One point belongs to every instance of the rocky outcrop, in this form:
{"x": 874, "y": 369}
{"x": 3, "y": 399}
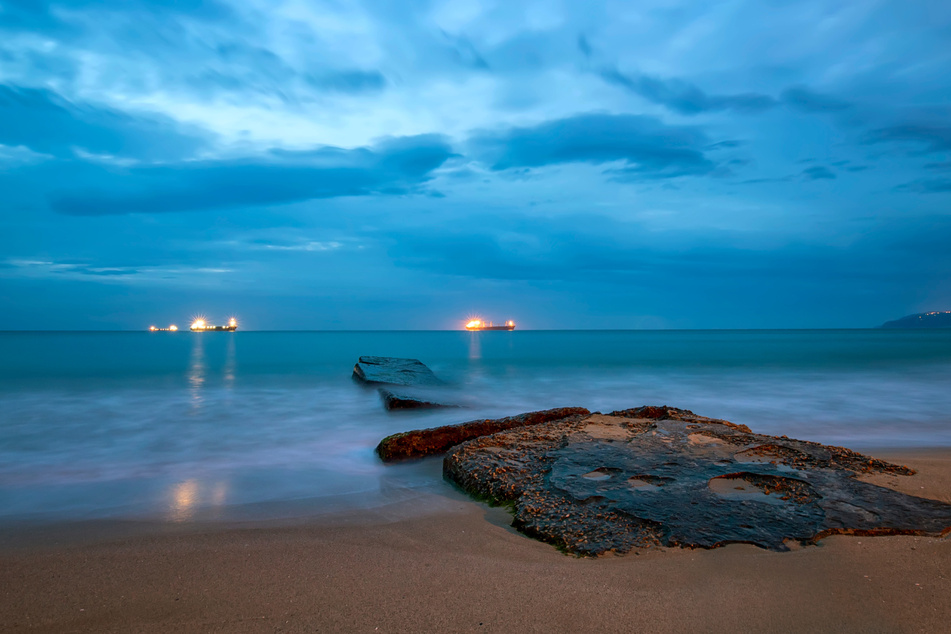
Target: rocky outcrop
{"x": 423, "y": 392}
{"x": 402, "y": 400}
{"x": 428, "y": 442}
{"x": 659, "y": 476}
{"x": 394, "y": 371}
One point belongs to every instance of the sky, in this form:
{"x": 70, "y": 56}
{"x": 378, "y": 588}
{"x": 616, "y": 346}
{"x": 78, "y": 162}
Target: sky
{"x": 409, "y": 164}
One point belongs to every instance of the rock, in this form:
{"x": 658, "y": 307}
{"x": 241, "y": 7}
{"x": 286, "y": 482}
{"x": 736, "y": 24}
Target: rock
{"x": 394, "y": 371}
{"x": 393, "y": 400}
{"x": 427, "y": 442}
{"x": 650, "y": 477}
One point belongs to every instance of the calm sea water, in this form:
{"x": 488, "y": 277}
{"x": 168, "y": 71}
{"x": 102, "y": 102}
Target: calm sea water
{"x": 186, "y": 426}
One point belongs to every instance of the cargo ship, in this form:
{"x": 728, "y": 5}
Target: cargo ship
{"x": 200, "y": 325}
{"x": 171, "y": 328}
{"x": 479, "y": 324}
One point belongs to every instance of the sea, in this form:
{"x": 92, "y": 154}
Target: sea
{"x": 216, "y": 426}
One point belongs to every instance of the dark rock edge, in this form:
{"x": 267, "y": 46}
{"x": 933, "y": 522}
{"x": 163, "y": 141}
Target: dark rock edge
{"x": 428, "y": 442}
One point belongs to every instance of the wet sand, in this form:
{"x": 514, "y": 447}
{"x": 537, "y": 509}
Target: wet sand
{"x": 440, "y": 562}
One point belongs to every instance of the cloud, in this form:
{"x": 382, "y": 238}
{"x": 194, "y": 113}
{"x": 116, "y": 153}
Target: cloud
{"x": 818, "y": 173}
{"x": 312, "y": 245}
{"x": 650, "y": 148}
{"x": 929, "y": 138}
{"x": 47, "y": 14}
{"x": 19, "y": 155}
{"x": 685, "y": 98}
{"x": 351, "y": 82}
{"x": 927, "y": 186}
{"x": 45, "y": 269}
{"x": 596, "y": 252}
{"x": 393, "y": 166}
{"x": 805, "y": 100}
{"x": 44, "y": 122}
{"x": 584, "y": 46}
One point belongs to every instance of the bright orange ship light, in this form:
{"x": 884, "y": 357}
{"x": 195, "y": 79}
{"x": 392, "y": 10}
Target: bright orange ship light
{"x": 476, "y": 324}
{"x": 198, "y": 324}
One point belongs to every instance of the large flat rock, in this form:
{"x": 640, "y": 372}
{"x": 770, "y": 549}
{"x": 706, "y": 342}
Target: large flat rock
{"x": 394, "y": 371}
{"x": 659, "y": 476}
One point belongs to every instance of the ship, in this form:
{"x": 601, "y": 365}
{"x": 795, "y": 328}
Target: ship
{"x": 200, "y": 325}
{"x": 479, "y": 324}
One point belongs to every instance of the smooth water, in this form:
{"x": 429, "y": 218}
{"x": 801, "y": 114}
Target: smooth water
{"x": 186, "y": 426}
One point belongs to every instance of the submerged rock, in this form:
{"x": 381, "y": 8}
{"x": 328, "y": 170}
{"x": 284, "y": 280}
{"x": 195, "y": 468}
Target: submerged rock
{"x": 402, "y": 400}
{"x": 427, "y": 442}
{"x": 394, "y": 371}
{"x": 659, "y": 476}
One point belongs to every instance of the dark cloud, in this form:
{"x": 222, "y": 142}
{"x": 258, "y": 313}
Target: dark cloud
{"x": 239, "y": 70}
{"x": 43, "y": 14}
{"x": 801, "y": 98}
{"x": 760, "y": 181}
{"x": 818, "y": 172}
{"x": 685, "y": 98}
{"x": 597, "y": 252}
{"x": 394, "y": 166}
{"x": 353, "y": 82}
{"x": 45, "y": 122}
{"x": 102, "y": 272}
{"x": 927, "y": 186}
{"x": 464, "y": 52}
{"x": 650, "y": 148}
{"x": 929, "y": 138}
{"x": 725, "y": 145}
{"x": 584, "y": 46}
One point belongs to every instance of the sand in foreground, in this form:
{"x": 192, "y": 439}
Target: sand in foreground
{"x": 463, "y": 569}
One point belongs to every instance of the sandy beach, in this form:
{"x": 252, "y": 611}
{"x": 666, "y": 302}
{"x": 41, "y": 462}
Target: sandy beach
{"x": 443, "y": 563}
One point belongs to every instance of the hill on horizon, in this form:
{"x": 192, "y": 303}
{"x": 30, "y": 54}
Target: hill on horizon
{"x": 934, "y": 319}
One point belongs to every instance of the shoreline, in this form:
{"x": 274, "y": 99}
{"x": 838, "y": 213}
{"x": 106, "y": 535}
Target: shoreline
{"x": 440, "y": 561}
{"x": 399, "y": 502}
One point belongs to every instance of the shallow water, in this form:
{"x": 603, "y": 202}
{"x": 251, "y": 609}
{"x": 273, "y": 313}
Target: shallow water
{"x": 185, "y": 426}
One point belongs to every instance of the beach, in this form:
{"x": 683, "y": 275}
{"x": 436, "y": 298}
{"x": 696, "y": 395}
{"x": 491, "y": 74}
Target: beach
{"x": 154, "y": 482}
{"x": 441, "y": 562}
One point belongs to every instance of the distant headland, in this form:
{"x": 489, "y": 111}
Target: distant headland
{"x": 934, "y": 319}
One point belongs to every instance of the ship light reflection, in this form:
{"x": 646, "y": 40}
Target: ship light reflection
{"x": 184, "y": 500}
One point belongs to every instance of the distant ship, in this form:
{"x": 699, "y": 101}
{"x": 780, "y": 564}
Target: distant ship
{"x": 478, "y": 324}
{"x": 199, "y": 325}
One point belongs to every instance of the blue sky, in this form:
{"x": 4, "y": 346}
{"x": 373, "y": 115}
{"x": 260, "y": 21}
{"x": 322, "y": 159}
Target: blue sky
{"x": 304, "y": 164}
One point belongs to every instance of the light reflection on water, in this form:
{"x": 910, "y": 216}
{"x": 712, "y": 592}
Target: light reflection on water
{"x": 185, "y": 498}
{"x": 203, "y": 422}
{"x": 196, "y": 369}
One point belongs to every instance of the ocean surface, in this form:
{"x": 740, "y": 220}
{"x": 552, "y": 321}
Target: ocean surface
{"x": 222, "y": 426}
